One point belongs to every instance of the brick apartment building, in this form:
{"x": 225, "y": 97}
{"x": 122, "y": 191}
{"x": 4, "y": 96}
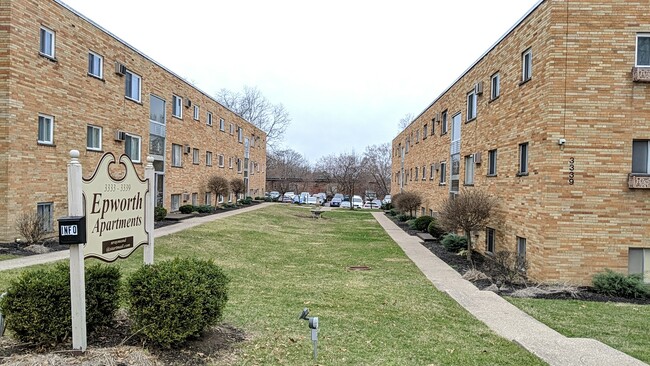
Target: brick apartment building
{"x": 554, "y": 121}
{"x": 66, "y": 83}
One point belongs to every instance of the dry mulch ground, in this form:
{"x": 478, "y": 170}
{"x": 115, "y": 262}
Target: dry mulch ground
{"x": 528, "y": 289}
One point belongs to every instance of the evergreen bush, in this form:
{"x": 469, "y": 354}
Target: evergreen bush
{"x": 617, "y": 284}
{"x": 454, "y": 243}
{"x": 160, "y": 213}
{"x": 422, "y": 223}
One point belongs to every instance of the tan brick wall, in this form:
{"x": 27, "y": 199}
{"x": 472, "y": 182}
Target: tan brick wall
{"x": 4, "y": 113}
{"x": 37, "y": 173}
{"x": 581, "y": 90}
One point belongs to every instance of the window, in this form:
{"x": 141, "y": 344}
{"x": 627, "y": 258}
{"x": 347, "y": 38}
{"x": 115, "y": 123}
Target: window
{"x": 220, "y": 198}
{"x": 492, "y": 162}
{"x": 239, "y": 165}
{"x": 443, "y": 172}
{"x": 411, "y": 174}
{"x": 431, "y": 170}
{"x": 46, "y": 47}
{"x": 523, "y": 159}
{"x": 93, "y": 138}
{"x": 469, "y": 170}
{"x": 176, "y": 202}
{"x": 208, "y": 158}
{"x": 195, "y": 199}
{"x": 425, "y": 131}
{"x": 209, "y": 122}
{"x": 471, "y": 105}
{"x": 521, "y": 254}
{"x": 208, "y": 198}
{"x": 230, "y": 162}
{"x": 232, "y": 129}
{"x": 489, "y": 240}
{"x": 433, "y": 127}
{"x": 526, "y": 65}
{"x": 443, "y": 118}
{"x": 416, "y": 173}
{"x": 177, "y": 154}
{"x": 95, "y": 65}
{"x": 639, "y": 263}
{"x": 407, "y": 145}
{"x": 221, "y": 161}
{"x": 132, "y": 147}
{"x": 196, "y": 112}
{"x": 495, "y": 89}
{"x": 195, "y": 156}
{"x": 222, "y": 124}
{"x": 640, "y": 161}
{"x": 643, "y": 49}
{"x": 45, "y": 211}
{"x": 240, "y": 134}
{"x": 177, "y": 104}
{"x": 157, "y": 110}
{"x": 424, "y": 172}
{"x": 45, "y": 129}
{"x": 132, "y": 87}
{"x": 417, "y": 136}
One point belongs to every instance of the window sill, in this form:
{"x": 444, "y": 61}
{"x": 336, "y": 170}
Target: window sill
{"x": 520, "y": 174}
{"x": 97, "y": 77}
{"x": 196, "y": 163}
{"x": 442, "y": 184}
{"x": 443, "y": 133}
{"x": 471, "y": 120}
{"x": 51, "y": 58}
{"x": 177, "y": 166}
{"x": 177, "y": 117}
{"x": 94, "y": 150}
{"x": 209, "y": 124}
{"x": 43, "y": 143}
{"x": 525, "y": 81}
{"x": 491, "y": 175}
{"x": 468, "y": 185}
{"x": 133, "y": 100}
{"x": 493, "y": 99}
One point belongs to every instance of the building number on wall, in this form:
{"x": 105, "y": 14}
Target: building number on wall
{"x": 571, "y": 170}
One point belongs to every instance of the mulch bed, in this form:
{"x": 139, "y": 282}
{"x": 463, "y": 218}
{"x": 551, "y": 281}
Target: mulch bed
{"x": 462, "y": 265}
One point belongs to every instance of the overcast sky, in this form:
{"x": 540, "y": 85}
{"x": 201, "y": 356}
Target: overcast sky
{"x": 347, "y": 71}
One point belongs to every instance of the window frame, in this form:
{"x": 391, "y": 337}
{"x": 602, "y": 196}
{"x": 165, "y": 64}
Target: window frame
{"x": 641, "y": 263}
{"x": 636, "y": 143}
{"x": 636, "y": 53}
{"x": 130, "y": 75}
{"x": 527, "y": 65}
{"x": 240, "y": 134}
{"x": 432, "y": 171}
{"x": 88, "y": 128}
{"x": 444, "y": 126}
{"x": 222, "y": 160}
{"x": 492, "y": 163}
{"x": 91, "y": 56}
{"x": 425, "y": 131}
{"x": 443, "y": 173}
{"x": 48, "y": 219}
{"x": 178, "y": 203}
{"x": 208, "y": 158}
{"x": 523, "y": 161}
{"x": 196, "y": 159}
{"x": 469, "y": 170}
{"x": 232, "y": 129}
{"x": 177, "y": 106}
{"x": 490, "y": 239}
{"x": 230, "y": 162}
{"x": 208, "y": 198}
{"x": 209, "y": 119}
{"x": 472, "y": 106}
{"x": 139, "y": 139}
{"x": 43, "y": 45}
{"x": 521, "y": 263}
{"x": 197, "y": 113}
{"x": 50, "y": 137}
{"x": 222, "y": 125}
{"x": 495, "y": 90}
{"x": 179, "y": 163}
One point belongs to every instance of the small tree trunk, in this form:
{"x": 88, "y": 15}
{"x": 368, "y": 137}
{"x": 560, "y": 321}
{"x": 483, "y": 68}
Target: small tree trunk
{"x": 468, "y": 236}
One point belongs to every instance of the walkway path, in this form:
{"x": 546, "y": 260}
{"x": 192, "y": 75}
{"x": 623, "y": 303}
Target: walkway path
{"x": 165, "y": 230}
{"x": 502, "y": 317}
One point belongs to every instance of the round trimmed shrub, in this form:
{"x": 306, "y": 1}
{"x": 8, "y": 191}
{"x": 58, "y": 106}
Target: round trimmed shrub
{"x": 37, "y": 304}
{"x": 617, "y": 284}
{"x": 422, "y": 222}
{"x": 173, "y": 301}
{"x": 159, "y": 213}
{"x": 187, "y": 209}
{"x": 435, "y": 230}
{"x": 454, "y": 243}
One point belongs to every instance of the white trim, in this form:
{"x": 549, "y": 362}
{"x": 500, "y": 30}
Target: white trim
{"x": 134, "y": 137}
{"x": 101, "y": 65}
{"x": 100, "y": 137}
{"x": 132, "y": 76}
{"x": 53, "y": 46}
{"x": 496, "y": 76}
{"x": 527, "y": 65}
{"x": 636, "y": 49}
{"x": 50, "y": 136}
{"x": 177, "y": 102}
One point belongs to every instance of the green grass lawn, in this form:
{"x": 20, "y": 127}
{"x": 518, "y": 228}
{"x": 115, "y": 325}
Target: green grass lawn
{"x": 621, "y": 326}
{"x": 4, "y": 257}
{"x": 281, "y": 260}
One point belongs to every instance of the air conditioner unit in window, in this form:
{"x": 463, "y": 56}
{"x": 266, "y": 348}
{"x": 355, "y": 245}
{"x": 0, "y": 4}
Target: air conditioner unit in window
{"x": 478, "y": 88}
{"x": 477, "y": 158}
{"x": 188, "y": 103}
{"x": 120, "y": 135}
{"x": 437, "y": 118}
{"x": 120, "y": 69}
{"x": 188, "y": 149}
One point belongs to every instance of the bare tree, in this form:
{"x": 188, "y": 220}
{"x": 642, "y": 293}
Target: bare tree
{"x": 219, "y": 185}
{"x": 252, "y": 106}
{"x": 237, "y": 186}
{"x": 407, "y": 201}
{"x": 405, "y": 121}
{"x": 468, "y": 211}
{"x": 286, "y": 168}
{"x": 344, "y": 169}
{"x": 377, "y": 164}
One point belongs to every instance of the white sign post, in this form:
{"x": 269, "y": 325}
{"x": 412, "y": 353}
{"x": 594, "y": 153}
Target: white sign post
{"x": 119, "y": 216}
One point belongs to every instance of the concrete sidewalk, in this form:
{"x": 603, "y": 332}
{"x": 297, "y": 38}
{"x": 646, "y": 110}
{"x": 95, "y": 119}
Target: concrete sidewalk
{"x": 502, "y": 317}
{"x": 165, "y": 230}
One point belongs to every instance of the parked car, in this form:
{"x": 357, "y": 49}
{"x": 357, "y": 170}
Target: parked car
{"x": 313, "y": 200}
{"x": 386, "y": 200}
{"x": 357, "y": 202}
{"x": 303, "y": 197}
{"x": 339, "y": 196}
{"x": 372, "y": 204}
{"x": 274, "y": 195}
{"x": 345, "y": 204}
{"x": 335, "y": 202}
{"x": 286, "y": 198}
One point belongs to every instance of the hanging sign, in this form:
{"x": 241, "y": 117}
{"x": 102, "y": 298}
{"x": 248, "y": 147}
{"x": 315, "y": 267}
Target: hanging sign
{"x": 115, "y": 210}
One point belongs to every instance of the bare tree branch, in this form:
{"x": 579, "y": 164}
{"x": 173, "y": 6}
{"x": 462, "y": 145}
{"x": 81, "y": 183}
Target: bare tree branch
{"x": 405, "y": 121}
{"x": 377, "y": 164}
